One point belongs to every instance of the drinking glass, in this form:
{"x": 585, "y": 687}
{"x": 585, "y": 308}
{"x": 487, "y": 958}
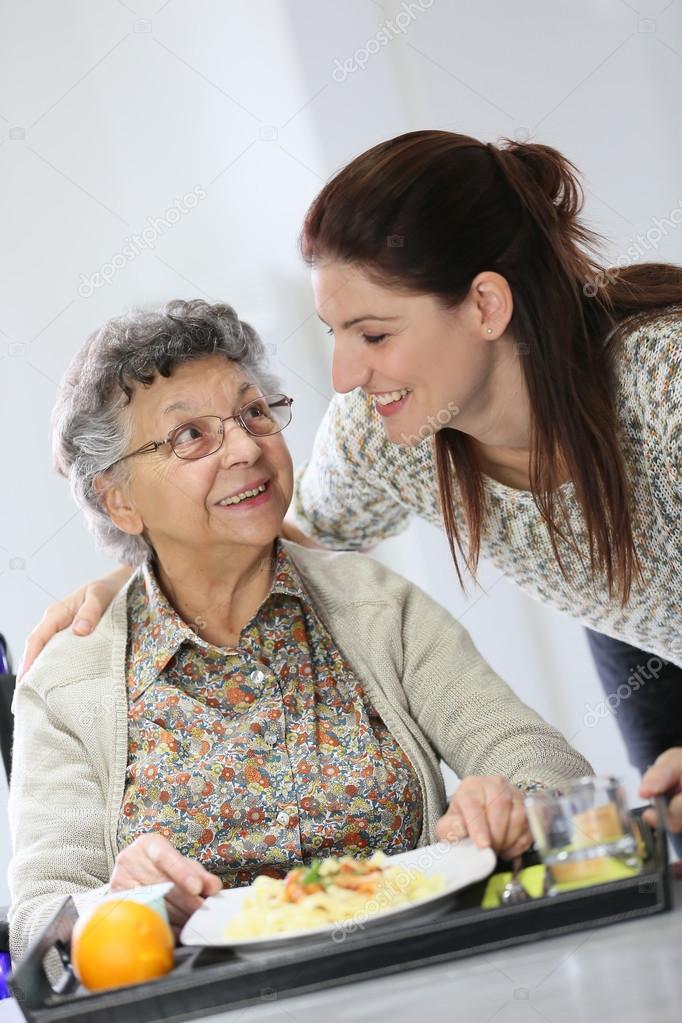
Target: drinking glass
{"x": 584, "y": 833}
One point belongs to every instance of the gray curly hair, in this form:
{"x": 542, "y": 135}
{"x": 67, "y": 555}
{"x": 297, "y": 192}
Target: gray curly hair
{"x": 91, "y": 428}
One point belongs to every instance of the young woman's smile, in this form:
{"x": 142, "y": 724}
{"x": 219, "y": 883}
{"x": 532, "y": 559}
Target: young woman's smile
{"x": 389, "y": 403}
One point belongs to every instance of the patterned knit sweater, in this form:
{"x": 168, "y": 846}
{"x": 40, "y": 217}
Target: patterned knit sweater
{"x": 359, "y": 488}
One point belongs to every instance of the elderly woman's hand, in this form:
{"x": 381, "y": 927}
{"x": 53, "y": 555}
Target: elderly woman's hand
{"x": 151, "y": 859}
{"x": 490, "y": 811}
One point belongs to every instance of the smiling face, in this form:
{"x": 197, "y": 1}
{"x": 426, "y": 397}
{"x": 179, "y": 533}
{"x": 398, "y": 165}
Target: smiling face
{"x": 180, "y": 504}
{"x": 427, "y": 366}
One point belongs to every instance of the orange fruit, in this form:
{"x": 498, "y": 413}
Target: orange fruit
{"x": 121, "y": 942}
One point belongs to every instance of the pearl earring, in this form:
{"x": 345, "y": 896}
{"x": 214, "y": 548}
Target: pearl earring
{"x": 489, "y": 330}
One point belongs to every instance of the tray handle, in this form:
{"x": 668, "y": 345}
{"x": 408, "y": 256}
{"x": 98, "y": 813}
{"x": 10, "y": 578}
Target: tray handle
{"x": 29, "y": 981}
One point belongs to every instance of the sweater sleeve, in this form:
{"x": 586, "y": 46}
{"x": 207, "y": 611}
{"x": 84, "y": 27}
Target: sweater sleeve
{"x": 473, "y": 719}
{"x": 341, "y": 497}
{"x": 649, "y": 399}
{"x": 57, "y": 816}
{"x": 667, "y": 372}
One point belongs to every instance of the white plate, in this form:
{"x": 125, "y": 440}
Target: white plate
{"x": 461, "y": 865}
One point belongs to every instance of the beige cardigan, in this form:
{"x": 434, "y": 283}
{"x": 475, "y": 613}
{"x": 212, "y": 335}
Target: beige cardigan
{"x": 418, "y": 665}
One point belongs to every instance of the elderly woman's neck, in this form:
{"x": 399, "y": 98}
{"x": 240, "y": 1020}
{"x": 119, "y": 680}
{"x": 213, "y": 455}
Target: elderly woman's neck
{"x": 217, "y": 595}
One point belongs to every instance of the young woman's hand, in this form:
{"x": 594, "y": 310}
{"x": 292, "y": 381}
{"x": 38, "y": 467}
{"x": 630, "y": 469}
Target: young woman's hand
{"x": 82, "y": 609}
{"x": 490, "y": 810}
{"x": 664, "y": 777}
{"x": 151, "y": 859}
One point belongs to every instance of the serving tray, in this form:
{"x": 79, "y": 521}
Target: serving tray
{"x": 208, "y": 980}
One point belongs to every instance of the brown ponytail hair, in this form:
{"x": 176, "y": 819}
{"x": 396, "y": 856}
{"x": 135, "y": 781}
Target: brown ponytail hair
{"x": 458, "y": 207}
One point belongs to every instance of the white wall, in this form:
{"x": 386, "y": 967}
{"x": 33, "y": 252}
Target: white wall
{"x": 110, "y": 111}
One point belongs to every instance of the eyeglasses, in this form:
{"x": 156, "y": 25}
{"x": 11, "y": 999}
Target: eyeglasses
{"x": 204, "y": 435}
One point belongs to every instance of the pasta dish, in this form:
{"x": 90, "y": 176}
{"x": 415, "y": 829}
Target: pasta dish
{"x": 329, "y": 891}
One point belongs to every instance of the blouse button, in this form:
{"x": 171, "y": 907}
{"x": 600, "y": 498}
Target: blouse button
{"x": 257, "y": 676}
{"x": 271, "y": 738}
{"x": 283, "y": 818}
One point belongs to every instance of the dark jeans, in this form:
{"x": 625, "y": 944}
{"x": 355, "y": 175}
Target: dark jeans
{"x": 644, "y": 693}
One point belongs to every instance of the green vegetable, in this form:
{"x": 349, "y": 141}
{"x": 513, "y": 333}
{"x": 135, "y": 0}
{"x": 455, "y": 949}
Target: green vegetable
{"x": 312, "y": 874}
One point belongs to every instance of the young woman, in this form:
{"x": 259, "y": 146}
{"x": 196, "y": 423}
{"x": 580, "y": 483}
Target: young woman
{"x": 494, "y": 378}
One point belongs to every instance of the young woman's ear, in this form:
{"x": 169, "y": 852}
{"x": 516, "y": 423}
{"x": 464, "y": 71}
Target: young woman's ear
{"x": 494, "y": 303}
{"x": 116, "y": 502}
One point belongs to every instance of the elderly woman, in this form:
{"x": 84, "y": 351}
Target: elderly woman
{"x": 245, "y": 704}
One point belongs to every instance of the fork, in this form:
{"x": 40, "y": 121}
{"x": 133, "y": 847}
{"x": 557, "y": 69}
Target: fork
{"x": 514, "y": 892}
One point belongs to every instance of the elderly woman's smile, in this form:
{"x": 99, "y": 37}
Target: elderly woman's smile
{"x": 256, "y": 496}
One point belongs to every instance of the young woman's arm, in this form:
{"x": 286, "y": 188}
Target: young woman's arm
{"x": 290, "y": 531}
{"x": 82, "y": 610}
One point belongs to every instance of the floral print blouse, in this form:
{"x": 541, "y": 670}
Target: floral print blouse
{"x": 256, "y": 758}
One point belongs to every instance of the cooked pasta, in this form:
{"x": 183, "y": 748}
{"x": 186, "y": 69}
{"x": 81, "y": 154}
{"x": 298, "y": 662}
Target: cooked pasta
{"x": 330, "y": 891}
